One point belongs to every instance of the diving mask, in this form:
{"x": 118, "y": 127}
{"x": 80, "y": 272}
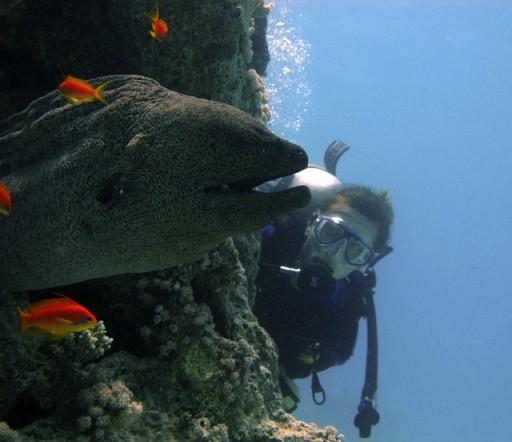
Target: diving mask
{"x": 340, "y": 242}
{"x": 337, "y": 239}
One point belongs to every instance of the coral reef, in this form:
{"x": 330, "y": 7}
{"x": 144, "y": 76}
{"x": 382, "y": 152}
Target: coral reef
{"x": 34, "y": 372}
{"x": 257, "y": 90}
{"x": 189, "y": 361}
{"x": 207, "y": 53}
{"x": 178, "y": 354}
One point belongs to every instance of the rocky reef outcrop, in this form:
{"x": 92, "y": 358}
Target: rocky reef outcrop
{"x": 178, "y": 354}
{"x": 209, "y": 52}
{"x": 188, "y": 362}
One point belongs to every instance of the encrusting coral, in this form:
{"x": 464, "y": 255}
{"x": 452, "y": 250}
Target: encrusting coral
{"x": 204, "y": 367}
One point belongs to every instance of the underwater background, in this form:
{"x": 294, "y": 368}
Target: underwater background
{"x": 421, "y": 91}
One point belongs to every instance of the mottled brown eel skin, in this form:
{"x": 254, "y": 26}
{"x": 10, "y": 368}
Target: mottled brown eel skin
{"x": 152, "y": 180}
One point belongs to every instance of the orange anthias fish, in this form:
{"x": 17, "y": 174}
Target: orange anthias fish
{"x": 56, "y": 318}
{"x": 80, "y": 91}
{"x": 5, "y": 200}
{"x": 159, "y": 28}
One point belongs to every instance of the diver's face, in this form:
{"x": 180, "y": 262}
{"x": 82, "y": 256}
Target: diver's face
{"x": 344, "y": 254}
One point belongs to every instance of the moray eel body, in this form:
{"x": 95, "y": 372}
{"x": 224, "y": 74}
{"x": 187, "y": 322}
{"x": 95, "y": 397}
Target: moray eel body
{"x": 152, "y": 180}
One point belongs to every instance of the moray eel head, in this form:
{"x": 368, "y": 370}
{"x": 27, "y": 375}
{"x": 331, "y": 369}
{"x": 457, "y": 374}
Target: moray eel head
{"x": 153, "y": 180}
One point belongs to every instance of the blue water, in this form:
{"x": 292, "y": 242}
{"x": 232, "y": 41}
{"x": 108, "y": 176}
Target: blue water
{"x": 422, "y": 92}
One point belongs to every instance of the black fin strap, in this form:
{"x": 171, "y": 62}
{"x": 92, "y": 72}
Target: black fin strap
{"x": 316, "y": 389}
{"x": 387, "y": 250}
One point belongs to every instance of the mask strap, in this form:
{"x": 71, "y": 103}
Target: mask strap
{"x": 379, "y": 256}
{"x": 309, "y": 224}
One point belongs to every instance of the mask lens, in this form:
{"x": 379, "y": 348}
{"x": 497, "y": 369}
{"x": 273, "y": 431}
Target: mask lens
{"x": 327, "y": 231}
{"x": 357, "y": 253}
{"x": 338, "y": 240}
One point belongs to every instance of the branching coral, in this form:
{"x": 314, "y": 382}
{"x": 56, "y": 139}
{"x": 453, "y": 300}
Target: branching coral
{"x": 107, "y": 405}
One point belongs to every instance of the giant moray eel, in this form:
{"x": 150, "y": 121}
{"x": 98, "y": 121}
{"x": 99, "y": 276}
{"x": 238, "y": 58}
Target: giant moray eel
{"x": 154, "y": 179}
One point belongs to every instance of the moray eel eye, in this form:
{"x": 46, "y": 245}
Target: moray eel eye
{"x": 112, "y": 190}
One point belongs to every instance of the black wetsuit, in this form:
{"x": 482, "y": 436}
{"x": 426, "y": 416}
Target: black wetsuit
{"x": 296, "y": 321}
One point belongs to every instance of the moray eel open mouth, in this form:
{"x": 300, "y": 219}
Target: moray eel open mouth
{"x": 262, "y": 207}
{"x": 245, "y": 191}
{"x": 292, "y": 198}
{"x": 293, "y": 160}
{"x": 243, "y": 186}
{"x": 236, "y": 196}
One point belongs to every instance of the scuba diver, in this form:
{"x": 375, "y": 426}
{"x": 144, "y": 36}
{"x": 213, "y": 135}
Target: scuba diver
{"x": 316, "y": 280}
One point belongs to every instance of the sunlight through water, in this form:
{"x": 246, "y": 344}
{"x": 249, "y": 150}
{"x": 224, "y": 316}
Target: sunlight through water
{"x": 287, "y": 82}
